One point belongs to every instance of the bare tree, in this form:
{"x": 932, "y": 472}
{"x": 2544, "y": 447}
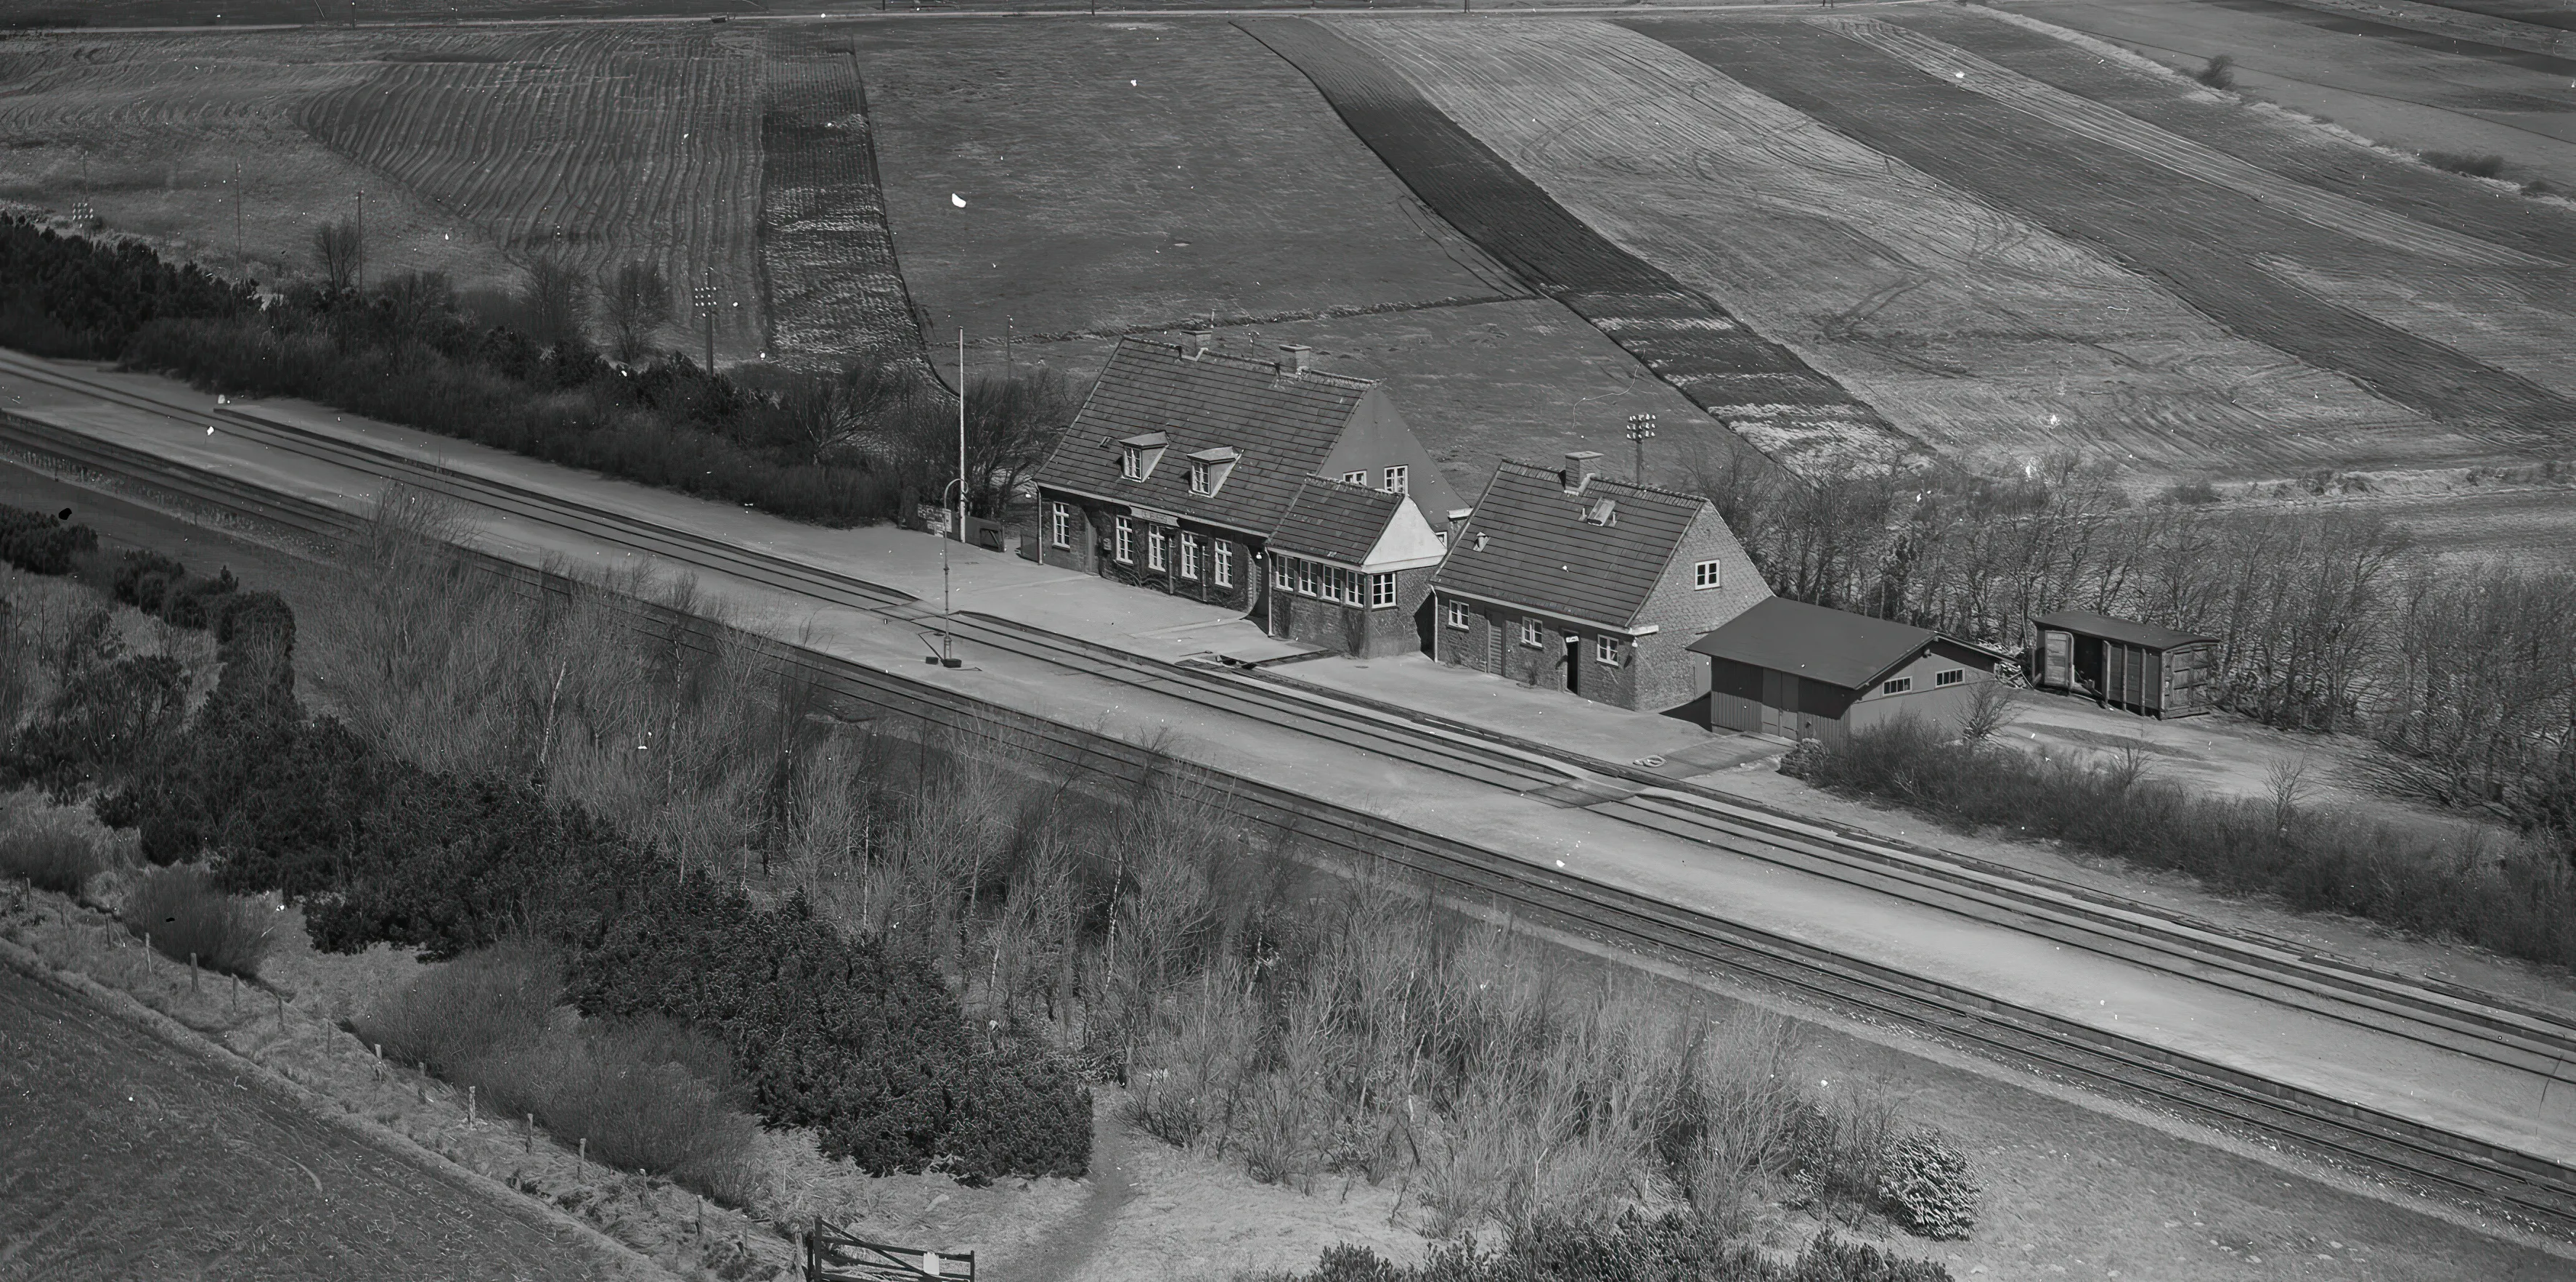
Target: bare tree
{"x": 340, "y": 251}
{"x": 867, "y": 403}
{"x": 556, "y": 301}
{"x": 636, "y": 301}
{"x": 2286, "y": 778}
{"x": 1011, "y": 425}
{"x": 1990, "y": 708}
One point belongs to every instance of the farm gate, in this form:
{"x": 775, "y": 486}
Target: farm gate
{"x": 832, "y": 1255}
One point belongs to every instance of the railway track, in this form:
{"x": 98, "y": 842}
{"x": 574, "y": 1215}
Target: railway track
{"x": 2536, "y": 1191}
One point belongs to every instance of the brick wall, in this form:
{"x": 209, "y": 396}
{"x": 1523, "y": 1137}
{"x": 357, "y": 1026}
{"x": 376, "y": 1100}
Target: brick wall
{"x": 1094, "y": 528}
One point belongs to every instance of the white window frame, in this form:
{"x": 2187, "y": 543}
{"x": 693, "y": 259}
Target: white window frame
{"x": 1123, "y": 545}
{"x": 1399, "y": 479}
{"x": 1706, "y": 575}
{"x": 1305, "y": 577}
{"x": 1283, "y": 573}
{"x": 1189, "y": 555}
{"x": 1456, "y": 614}
{"x": 1060, "y": 524}
{"x": 1896, "y": 685}
{"x": 1355, "y": 478}
{"x": 1949, "y": 677}
{"x": 1157, "y": 548}
{"x": 1221, "y": 561}
{"x": 1381, "y": 591}
{"x": 1531, "y": 635}
{"x": 1199, "y": 478}
{"x": 1131, "y": 463}
{"x": 1605, "y": 649}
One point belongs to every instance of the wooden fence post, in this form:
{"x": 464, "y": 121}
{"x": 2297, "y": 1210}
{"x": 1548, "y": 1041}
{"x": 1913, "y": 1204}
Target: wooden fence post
{"x": 192, "y": 972}
{"x": 531, "y": 1134}
{"x": 585, "y": 1157}
{"x": 469, "y": 1108}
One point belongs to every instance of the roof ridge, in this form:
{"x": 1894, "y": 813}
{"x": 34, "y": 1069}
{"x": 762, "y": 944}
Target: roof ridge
{"x": 1637, "y": 486}
{"x": 1351, "y": 381}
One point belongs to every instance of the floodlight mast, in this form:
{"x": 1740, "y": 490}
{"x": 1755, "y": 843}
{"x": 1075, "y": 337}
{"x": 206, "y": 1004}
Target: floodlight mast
{"x": 1641, "y": 428}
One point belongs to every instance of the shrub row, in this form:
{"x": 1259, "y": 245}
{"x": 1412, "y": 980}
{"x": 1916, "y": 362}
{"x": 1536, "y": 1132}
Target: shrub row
{"x": 2516, "y": 902}
{"x": 858, "y": 1040}
{"x": 188, "y": 917}
{"x": 43, "y": 542}
{"x": 408, "y": 352}
{"x": 1679, "y": 1247}
{"x": 49, "y": 852}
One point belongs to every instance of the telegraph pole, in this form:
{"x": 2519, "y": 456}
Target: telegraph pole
{"x": 362, "y": 241}
{"x": 1641, "y": 428}
{"x": 704, "y": 297}
{"x": 237, "y": 209}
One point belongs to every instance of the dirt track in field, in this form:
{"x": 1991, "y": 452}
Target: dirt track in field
{"x": 2200, "y": 240}
{"x": 131, "y": 1158}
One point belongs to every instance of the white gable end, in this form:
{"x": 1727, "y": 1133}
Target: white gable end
{"x": 1407, "y": 543}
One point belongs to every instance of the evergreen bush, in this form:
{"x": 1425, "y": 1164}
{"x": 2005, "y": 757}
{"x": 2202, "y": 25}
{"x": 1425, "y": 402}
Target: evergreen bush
{"x": 1924, "y": 1184}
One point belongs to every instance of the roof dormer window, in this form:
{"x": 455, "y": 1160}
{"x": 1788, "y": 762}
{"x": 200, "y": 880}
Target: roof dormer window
{"x": 1209, "y": 468}
{"x": 1605, "y": 512}
{"x": 1137, "y": 455}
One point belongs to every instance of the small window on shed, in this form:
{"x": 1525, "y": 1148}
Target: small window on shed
{"x": 1704, "y": 575}
{"x": 1529, "y": 631}
{"x": 1897, "y": 686}
{"x": 1950, "y": 677}
{"x": 1605, "y": 649}
{"x": 1457, "y": 612}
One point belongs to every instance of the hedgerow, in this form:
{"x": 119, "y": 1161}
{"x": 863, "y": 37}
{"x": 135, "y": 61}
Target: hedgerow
{"x": 837, "y": 1032}
{"x": 1677, "y": 1246}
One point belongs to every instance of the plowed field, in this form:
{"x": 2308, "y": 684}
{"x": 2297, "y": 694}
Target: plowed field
{"x": 597, "y": 145}
{"x": 827, "y": 257}
{"x": 1974, "y": 330}
{"x": 1738, "y": 375}
{"x": 2202, "y": 240}
{"x": 148, "y": 130}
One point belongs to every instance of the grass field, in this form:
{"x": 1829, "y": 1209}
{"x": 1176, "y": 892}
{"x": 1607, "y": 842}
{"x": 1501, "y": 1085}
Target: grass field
{"x": 131, "y": 1158}
{"x": 2202, "y": 240}
{"x": 1215, "y": 181}
{"x": 592, "y": 145}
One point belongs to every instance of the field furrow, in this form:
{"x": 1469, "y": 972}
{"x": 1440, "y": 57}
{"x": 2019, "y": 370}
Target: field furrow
{"x": 2198, "y": 239}
{"x": 1974, "y": 330}
{"x": 1956, "y": 66}
{"x": 2484, "y": 313}
{"x": 1756, "y": 386}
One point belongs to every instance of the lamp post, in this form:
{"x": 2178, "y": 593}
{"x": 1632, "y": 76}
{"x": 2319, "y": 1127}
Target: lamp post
{"x": 1641, "y": 428}
{"x": 957, "y": 520}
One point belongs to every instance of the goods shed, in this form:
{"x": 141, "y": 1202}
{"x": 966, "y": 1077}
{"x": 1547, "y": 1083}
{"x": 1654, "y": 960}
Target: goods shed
{"x": 2146, "y": 669}
{"x": 1806, "y": 672}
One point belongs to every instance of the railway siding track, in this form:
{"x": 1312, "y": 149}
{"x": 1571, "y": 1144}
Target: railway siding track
{"x": 2535, "y": 1191}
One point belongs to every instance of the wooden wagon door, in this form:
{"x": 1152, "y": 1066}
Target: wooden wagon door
{"x": 1779, "y": 703}
{"x": 2057, "y": 660}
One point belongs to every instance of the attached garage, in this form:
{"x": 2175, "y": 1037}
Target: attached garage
{"x": 2122, "y": 663}
{"x": 1802, "y": 671}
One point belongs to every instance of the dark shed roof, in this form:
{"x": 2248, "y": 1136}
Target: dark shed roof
{"x": 2128, "y": 631}
{"x": 1832, "y": 646}
{"x": 1335, "y": 521}
{"x": 1283, "y": 424}
{"x": 1540, "y": 553}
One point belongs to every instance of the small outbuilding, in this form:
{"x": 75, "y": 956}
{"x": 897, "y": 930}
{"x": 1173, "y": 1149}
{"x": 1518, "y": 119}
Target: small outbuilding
{"x": 1803, "y": 671}
{"x": 2146, "y": 669}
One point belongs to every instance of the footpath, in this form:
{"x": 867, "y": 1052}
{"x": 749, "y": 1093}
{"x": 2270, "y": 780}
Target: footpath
{"x": 2407, "y": 1078}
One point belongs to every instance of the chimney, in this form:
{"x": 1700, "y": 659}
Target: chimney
{"x": 1199, "y": 339}
{"x": 1578, "y": 471}
{"x": 1297, "y": 354}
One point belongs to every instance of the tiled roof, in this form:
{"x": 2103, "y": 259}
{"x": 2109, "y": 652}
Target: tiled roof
{"x": 2127, "y": 630}
{"x": 1337, "y": 521}
{"x": 1540, "y": 553}
{"x": 1836, "y": 647}
{"x": 1284, "y": 424}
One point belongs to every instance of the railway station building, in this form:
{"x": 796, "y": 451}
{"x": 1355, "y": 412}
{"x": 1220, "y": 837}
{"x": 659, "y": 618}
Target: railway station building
{"x": 1184, "y": 461}
{"x": 1804, "y": 671}
{"x": 1569, "y": 580}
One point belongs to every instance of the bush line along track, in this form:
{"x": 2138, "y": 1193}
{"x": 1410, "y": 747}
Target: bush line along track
{"x": 2533, "y": 1190}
